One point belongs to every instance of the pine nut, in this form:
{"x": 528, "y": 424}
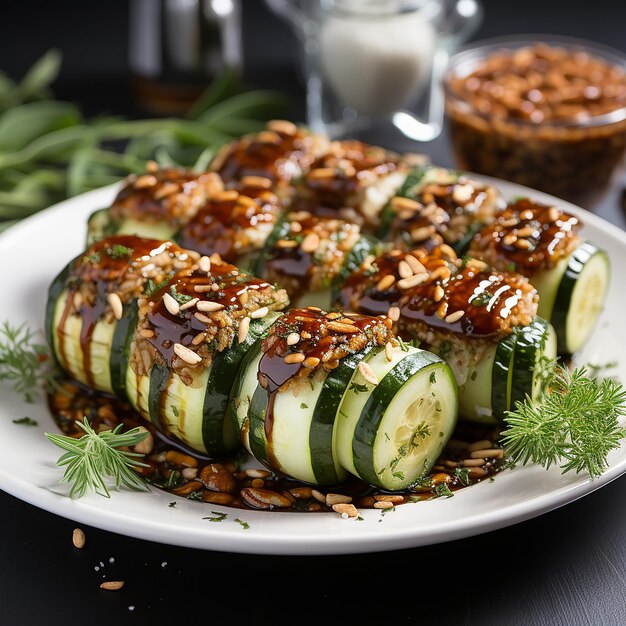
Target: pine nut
{"x": 242, "y": 331}
{"x": 367, "y": 373}
{"x": 292, "y": 339}
{"x": 209, "y": 306}
{"x": 187, "y": 355}
{"x": 414, "y": 264}
{"x": 385, "y": 282}
{"x": 404, "y": 270}
{"x": 337, "y": 498}
{"x": 345, "y": 510}
{"x": 393, "y": 313}
{"x": 259, "y": 313}
{"x": 413, "y": 281}
{"x": 296, "y": 357}
{"x": 112, "y": 585}
{"x": 310, "y": 243}
{"x": 204, "y": 264}
{"x": 116, "y": 305}
{"x": 454, "y": 317}
{"x": 189, "y": 304}
{"x": 171, "y": 304}
{"x": 78, "y": 538}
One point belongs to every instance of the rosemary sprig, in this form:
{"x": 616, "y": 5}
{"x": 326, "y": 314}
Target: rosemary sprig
{"x": 22, "y": 359}
{"x": 95, "y": 457}
{"x": 575, "y": 426}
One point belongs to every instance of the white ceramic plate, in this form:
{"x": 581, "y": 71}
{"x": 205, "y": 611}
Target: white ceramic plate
{"x": 31, "y": 254}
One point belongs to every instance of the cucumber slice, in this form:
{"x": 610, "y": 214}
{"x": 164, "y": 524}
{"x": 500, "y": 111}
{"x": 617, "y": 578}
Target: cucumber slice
{"x": 365, "y": 246}
{"x": 100, "y": 224}
{"x": 57, "y": 287}
{"x": 280, "y": 230}
{"x": 580, "y": 297}
{"x": 392, "y": 433}
{"x": 120, "y": 347}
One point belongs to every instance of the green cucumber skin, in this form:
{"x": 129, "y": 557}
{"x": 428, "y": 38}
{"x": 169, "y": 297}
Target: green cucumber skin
{"x": 257, "y": 414}
{"x": 95, "y": 231}
{"x": 224, "y": 370}
{"x": 501, "y": 377}
{"x": 560, "y": 310}
{"x": 375, "y": 407}
{"x": 365, "y": 246}
{"x": 406, "y": 191}
{"x": 159, "y": 381}
{"x": 529, "y": 339}
{"x": 57, "y": 286}
{"x": 280, "y": 230}
{"x": 120, "y": 347}
{"x": 324, "y": 415}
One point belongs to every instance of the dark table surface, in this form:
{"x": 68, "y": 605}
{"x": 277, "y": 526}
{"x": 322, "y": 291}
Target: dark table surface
{"x": 566, "y": 567}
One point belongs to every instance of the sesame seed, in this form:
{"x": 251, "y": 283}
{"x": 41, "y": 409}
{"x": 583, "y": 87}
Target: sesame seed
{"x": 387, "y": 497}
{"x": 526, "y": 215}
{"x": 368, "y": 373}
{"x": 116, "y": 305}
{"x": 209, "y": 306}
{"x": 187, "y": 355}
{"x": 296, "y": 357}
{"x": 259, "y": 313}
{"x": 393, "y": 313}
{"x": 171, "y": 304}
{"x": 509, "y": 239}
{"x": 413, "y": 281}
{"x": 440, "y": 272}
{"x": 204, "y": 264}
{"x": 527, "y": 231}
{"x": 242, "y": 332}
{"x": 454, "y": 317}
{"x": 292, "y": 339}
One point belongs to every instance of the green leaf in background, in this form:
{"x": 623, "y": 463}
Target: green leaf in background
{"x": 49, "y": 152}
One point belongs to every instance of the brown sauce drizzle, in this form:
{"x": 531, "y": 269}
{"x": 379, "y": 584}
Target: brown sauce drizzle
{"x": 527, "y": 237}
{"x": 217, "y": 227}
{"x": 488, "y": 300}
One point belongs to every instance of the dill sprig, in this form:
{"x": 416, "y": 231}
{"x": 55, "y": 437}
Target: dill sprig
{"x": 22, "y": 359}
{"x": 95, "y": 457}
{"x": 575, "y": 426}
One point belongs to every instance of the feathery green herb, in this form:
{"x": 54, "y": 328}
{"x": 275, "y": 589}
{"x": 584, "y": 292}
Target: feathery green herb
{"x": 575, "y": 426}
{"x": 22, "y": 360}
{"x": 94, "y": 458}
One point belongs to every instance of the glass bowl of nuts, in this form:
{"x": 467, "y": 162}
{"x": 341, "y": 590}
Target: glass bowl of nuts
{"x": 543, "y": 111}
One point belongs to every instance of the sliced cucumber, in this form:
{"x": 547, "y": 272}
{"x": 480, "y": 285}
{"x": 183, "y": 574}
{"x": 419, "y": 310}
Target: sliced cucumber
{"x": 281, "y": 230}
{"x": 57, "y": 287}
{"x": 364, "y": 247}
{"x": 100, "y": 224}
{"x": 120, "y": 348}
{"x": 509, "y": 371}
{"x": 580, "y": 297}
{"x": 391, "y": 433}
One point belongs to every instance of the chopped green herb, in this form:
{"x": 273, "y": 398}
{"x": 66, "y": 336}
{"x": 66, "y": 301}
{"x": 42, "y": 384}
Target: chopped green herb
{"x": 119, "y": 251}
{"x": 398, "y": 475}
{"x": 181, "y": 298}
{"x": 175, "y": 410}
{"x": 358, "y": 519}
{"x": 26, "y": 421}
{"x": 481, "y": 299}
{"x": 443, "y": 491}
{"x": 243, "y": 524}
{"x": 217, "y": 517}
{"x": 358, "y": 387}
{"x": 94, "y": 258}
{"x": 511, "y": 267}
{"x": 172, "y": 504}
{"x": 174, "y": 479}
{"x": 151, "y": 287}
{"x": 462, "y": 473}
{"x": 403, "y": 344}
{"x": 384, "y": 512}
{"x": 303, "y": 405}
{"x": 195, "y": 495}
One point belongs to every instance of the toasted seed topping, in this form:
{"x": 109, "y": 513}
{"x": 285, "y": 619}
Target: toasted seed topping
{"x": 322, "y": 172}
{"x": 447, "y": 251}
{"x": 292, "y": 339}
{"x": 509, "y": 240}
{"x": 393, "y": 313}
{"x": 286, "y": 243}
{"x": 282, "y": 126}
{"x": 78, "y": 538}
{"x": 116, "y": 305}
{"x": 368, "y": 373}
{"x": 527, "y": 231}
{"x": 152, "y": 167}
{"x": 438, "y": 294}
{"x": 242, "y": 332}
{"x": 112, "y": 585}
{"x": 198, "y": 339}
{"x": 440, "y": 272}
{"x": 422, "y": 233}
{"x": 189, "y": 305}
{"x": 337, "y": 498}
{"x": 554, "y": 214}
{"x": 414, "y": 264}
{"x": 413, "y": 281}
{"x": 492, "y": 453}
{"x": 296, "y": 357}
{"x": 166, "y": 190}
{"x": 383, "y": 504}
{"x": 388, "y": 497}
{"x": 345, "y": 510}
{"x": 147, "y": 180}
{"x": 405, "y": 204}
{"x": 523, "y": 243}
{"x": 442, "y": 310}
{"x": 310, "y": 243}
{"x": 454, "y": 317}
{"x": 385, "y": 282}
{"x": 389, "y": 351}
{"x": 259, "y": 313}
{"x": 311, "y": 361}
{"x": 256, "y": 181}
{"x": 202, "y": 318}
{"x": 342, "y": 327}
{"x": 268, "y": 136}
{"x": 204, "y": 264}
{"x": 404, "y": 269}
{"x": 171, "y": 304}
{"x": 187, "y": 355}
{"x": 209, "y": 306}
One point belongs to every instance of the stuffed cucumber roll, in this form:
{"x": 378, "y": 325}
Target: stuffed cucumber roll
{"x": 155, "y": 204}
{"x": 481, "y": 322}
{"x": 323, "y": 393}
{"x": 571, "y": 275}
{"x": 92, "y": 305}
{"x": 438, "y": 206}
